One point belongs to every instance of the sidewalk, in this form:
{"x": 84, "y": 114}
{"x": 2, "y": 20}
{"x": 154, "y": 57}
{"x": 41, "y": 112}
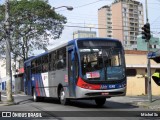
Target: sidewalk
{"x": 154, "y": 105}
{"x": 3, "y": 101}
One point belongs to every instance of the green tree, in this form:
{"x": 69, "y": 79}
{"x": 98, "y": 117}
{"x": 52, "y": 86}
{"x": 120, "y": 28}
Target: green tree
{"x": 32, "y": 24}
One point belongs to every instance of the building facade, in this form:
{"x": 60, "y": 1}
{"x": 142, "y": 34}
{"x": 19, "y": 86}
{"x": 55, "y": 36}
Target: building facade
{"x": 17, "y": 81}
{"x": 105, "y": 21}
{"x": 122, "y": 20}
{"x": 84, "y": 34}
{"x": 137, "y": 82}
{"x": 154, "y": 43}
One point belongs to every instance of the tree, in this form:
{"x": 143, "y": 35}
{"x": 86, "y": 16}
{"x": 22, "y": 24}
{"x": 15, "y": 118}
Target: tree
{"x": 32, "y": 24}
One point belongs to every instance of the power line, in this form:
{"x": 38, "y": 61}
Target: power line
{"x": 98, "y": 24}
{"x": 86, "y": 4}
{"x": 155, "y": 20}
{"x": 96, "y": 28}
{"x": 77, "y": 26}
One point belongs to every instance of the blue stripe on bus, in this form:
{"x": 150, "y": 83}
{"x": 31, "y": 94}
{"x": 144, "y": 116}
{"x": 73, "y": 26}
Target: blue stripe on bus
{"x": 40, "y": 85}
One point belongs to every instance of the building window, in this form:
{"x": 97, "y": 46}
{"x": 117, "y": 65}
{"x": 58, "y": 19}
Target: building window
{"x": 124, "y": 14}
{"x": 125, "y": 37}
{"x": 125, "y": 42}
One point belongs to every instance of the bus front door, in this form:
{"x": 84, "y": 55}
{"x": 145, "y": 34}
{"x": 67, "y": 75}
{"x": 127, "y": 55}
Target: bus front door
{"x": 71, "y": 75}
{"x": 28, "y": 81}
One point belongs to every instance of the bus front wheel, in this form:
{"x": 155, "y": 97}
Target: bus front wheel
{"x": 100, "y": 101}
{"x": 62, "y": 97}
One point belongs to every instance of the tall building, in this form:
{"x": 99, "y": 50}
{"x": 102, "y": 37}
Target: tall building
{"x": 105, "y": 21}
{"x": 123, "y": 20}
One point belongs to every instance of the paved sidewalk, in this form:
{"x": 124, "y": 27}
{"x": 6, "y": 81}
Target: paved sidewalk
{"x": 154, "y": 105}
{"x": 3, "y": 101}
{"x": 141, "y": 101}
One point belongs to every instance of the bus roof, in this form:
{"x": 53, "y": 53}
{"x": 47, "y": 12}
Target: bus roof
{"x": 33, "y": 57}
{"x": 69, "y": 43}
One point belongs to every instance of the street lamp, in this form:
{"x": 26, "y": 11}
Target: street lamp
{"x": 70, "y": 8}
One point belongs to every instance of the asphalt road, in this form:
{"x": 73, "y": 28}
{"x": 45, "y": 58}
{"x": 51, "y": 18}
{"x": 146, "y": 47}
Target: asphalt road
{"x": 117, "y": 108}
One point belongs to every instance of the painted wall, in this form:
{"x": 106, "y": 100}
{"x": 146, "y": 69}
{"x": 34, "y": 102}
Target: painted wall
{"x": 137, "y": 85}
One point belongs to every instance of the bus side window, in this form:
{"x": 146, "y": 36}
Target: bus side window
{"x": 61, "y": 58}
{"x": 53, "y": 57}
{"x": 49, "y": 62}
{"x": 39, "y": 65}
{"x": 60, "y": 62}
{"x": 45, "y": 63}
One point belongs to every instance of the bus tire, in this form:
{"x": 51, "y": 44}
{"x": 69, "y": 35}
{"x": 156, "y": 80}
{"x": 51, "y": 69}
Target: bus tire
{"x": 35, "y": 97}
{"x": 100, "y": 101}
{"x": 62, "y": 97}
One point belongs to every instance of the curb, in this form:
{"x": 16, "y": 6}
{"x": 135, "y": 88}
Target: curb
{"x": 4, "y": 103}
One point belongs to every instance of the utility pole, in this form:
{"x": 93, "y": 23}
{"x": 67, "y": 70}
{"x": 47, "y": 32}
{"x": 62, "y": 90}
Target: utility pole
{"x": 148, "y": 61}
{"x": 8, "y": 54}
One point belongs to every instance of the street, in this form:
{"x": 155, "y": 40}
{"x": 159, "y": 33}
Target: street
{"x": 114, "y": 108}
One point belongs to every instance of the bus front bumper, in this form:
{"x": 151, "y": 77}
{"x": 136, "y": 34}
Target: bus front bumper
{"x": 87, "y": 93}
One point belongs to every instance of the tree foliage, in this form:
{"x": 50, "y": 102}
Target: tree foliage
{"x": 32, "y": 24}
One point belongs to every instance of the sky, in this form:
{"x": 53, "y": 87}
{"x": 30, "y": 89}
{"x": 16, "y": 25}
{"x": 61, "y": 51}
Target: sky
{"x": 85, "y": 13}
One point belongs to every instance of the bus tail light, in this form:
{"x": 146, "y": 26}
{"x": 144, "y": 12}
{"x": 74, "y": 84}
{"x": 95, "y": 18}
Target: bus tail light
{"x": 85, "y": 85}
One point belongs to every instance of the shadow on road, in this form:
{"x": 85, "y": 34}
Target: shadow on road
{"x": 91, "y": 104}
{"x": 25, "y": 101}
{"x": 108, "y": 104}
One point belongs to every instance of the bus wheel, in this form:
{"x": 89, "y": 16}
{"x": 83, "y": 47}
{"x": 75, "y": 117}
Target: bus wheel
{"x": 35, "y": 98}
{"x": 100, "y": 101}
{"x": 62, "y": 97}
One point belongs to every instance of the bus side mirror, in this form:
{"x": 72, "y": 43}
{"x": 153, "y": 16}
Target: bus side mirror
{"x": 156, "y": 78}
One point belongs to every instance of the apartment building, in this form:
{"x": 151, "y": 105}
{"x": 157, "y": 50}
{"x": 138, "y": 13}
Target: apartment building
{"x": 122, "y": 20}
{"x": 105, "y": 21}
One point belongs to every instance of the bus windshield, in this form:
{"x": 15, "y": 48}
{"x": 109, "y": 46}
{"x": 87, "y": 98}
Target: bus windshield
{"x": 102, "y": 63}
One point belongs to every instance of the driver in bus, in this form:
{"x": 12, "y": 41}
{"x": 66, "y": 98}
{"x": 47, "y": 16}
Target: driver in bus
{"x": 89, "y": 67}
